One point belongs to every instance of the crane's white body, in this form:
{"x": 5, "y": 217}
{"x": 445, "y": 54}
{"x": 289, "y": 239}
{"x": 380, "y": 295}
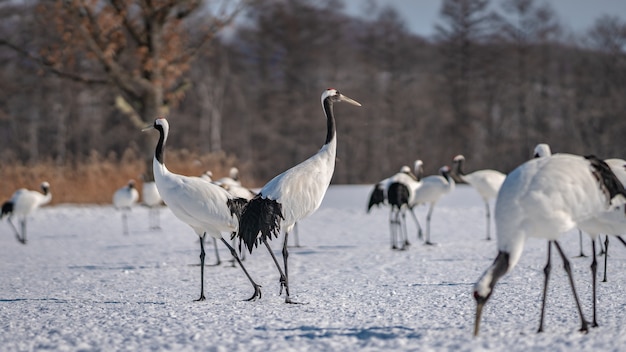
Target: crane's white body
{"x": 125, "y": 197}
{"x": 429, "y": 190}
{"x": 196, "y": 202}
{"x": 486, "y": 182}
{"x": 152, "y": 199}
{"x": 22, "y": 203}
{"x": 613, "y": 220}
{"x": 150, "y": 194}
{"x": 544, "y": 198}
{"x": 26, "y": 201}
{"x": 301, "y": 189}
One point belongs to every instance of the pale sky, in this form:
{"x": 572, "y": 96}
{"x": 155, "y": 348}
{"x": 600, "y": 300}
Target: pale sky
{"x": 421, "y": 15}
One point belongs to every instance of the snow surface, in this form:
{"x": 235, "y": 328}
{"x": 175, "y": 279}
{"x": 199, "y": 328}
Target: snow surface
{"x": 80, "y": 284}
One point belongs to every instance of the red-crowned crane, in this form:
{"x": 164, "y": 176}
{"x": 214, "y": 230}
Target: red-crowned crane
{"x": 403, "y": 185}
{"x": 22, "y": 204}
{"x": 293, "y": 194}
{"x": 486, "y": 182}
{"x": 430, "y": 190}
{"x": 544, "y": 198}
{"x": 151, "y": 198}
{"x": 206, "y": 207}
{"x": 123, "y": 199}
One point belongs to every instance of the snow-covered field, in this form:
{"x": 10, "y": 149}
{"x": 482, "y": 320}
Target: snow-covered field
{"x": 80, "y": 284}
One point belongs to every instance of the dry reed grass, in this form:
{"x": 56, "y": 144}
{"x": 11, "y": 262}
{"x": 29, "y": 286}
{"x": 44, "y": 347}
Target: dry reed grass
{"x": 94, "y": 180}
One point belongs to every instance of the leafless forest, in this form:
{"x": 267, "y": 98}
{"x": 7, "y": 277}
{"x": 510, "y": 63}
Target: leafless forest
{"x": 240, "y": 83}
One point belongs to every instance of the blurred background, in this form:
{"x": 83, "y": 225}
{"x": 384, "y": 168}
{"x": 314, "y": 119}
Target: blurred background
{"x": 240, "y": 82}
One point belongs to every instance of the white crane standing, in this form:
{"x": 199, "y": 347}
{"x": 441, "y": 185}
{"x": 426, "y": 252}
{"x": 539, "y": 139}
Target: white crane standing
{"x": 292, "y": 195}
{"x": 403, "y": 185}
{"x": 486, "y": 182}
{"x": 152, "y": 199}
{"x": 205, "y": 207}
{"x": 123, "y": 199}
{"x": 544, "y": 198}
{"x": 430, "y": 190}
{"x": 22, "y": 204}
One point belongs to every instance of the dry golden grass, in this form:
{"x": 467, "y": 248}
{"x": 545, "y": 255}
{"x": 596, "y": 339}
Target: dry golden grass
{"x": 95, "y": 180}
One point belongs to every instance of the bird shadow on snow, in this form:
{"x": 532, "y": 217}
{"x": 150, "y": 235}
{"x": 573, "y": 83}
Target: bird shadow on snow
{"x": 375, "y": 332}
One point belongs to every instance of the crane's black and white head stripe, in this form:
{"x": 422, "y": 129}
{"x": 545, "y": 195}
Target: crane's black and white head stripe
{"x": 45, "y": 187}
{"x": 160, "y": 124}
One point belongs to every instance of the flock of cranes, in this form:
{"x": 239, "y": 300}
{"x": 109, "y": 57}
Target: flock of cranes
{"x": 543, "y": 198}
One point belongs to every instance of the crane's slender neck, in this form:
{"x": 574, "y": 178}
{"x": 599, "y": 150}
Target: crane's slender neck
{"x": 459, "y": 168}
{"x": 330, "y": 120}
{"x": 160, "y": 148}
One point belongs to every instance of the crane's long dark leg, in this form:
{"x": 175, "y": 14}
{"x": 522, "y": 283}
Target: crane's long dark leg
{"x": 283, "y": 277}
{"x": 392, "y": 229}
{"x": 488, "y": 215}
{"x": 621, "y": 240}
{"x": 568, "y": 269}
{"x": 606, "y": 258}
{"x": 17, "y": 233}
{"x": 217, "y": 252}
{"x": 124, "y": 222}
{"x": 23, "y": 223}
{"x": 594, "y": 272}
{"x": 403, "y": 231}
{"x": 602, "y": 249}
{"x": 546, "y": 276}
{"x": 285, "y": 256}
{"x": 242, "y": 254}
{"x": 417, "y": 223}
{"x": 428, "y": 216}
{"x": 296, "y": 236}
{"x": 257, "y": 288}
{"x": 202, "y": 255}
{"x": 580, "y": 244}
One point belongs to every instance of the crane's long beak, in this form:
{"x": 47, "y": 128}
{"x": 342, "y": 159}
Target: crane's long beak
{"x": 147, "y": 128}
{"x": 479, "y": 312}
{"x": 349, "y": 100}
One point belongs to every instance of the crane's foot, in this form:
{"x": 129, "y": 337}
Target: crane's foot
{"x": 584, "y": 328}
{"x": 202, "y": 298}
{"x": 289, "y": 301}
{"x": 257, "y": 294}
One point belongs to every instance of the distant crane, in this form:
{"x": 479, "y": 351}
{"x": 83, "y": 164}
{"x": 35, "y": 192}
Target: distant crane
{"x": 407, "y": 182}
{"x": 292, "y": 195}
{"x": 123, "y": 199}
{"x": 398, "y": 190}
{"x": 544, "y": 198}
{"x": 152, "y": 199}
{"x": 486, "y": 182}
{"x": 432, "y": 188}
{"x": 204, "y": 206}
{"x": 23, "y": 203}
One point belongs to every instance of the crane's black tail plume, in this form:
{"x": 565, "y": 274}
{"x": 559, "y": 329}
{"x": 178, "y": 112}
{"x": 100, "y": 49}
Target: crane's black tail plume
{"x": 236, "y": 206}
{"x": 377, "y": 197}
{"x": 7, "y": 209}
{"x": 263, "y": 216}
{"x": 609, "y": 183}
{"x": 398, "y": 194}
